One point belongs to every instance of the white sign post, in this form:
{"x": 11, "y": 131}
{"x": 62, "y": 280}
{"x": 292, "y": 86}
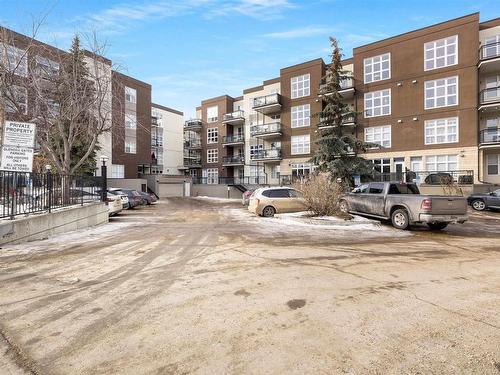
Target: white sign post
{"x": 17, "y": 146}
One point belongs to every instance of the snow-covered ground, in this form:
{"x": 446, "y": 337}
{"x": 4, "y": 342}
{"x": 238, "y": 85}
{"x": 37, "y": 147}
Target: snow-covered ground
{"x": 218, "y": 200}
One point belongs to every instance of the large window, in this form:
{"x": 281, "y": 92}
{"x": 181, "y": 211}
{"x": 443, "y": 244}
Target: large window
{"x": 441, "y": 53}
{"x": 213, "y": 114}
{"x": 130, "y": 95}
{"x": 130, "y": 145}
{"x": 441, "y": 92}
{"x": 255, "y": 149}
{"x": 117, "y": 171}
{"x": 378, "y": 103}
{"x": 16, "y": 60}
{"x": 211, "y": 175}
{"x": 380, "y": 135}
{"x": 130, "y": 120}
{"x": 377, "y": 68}
{"x": 20, "y": 98}
{"x": 301, "y": 116}
{"x": 212, "y": 135}
{"x": 301, "y": 169}
{"x": 212, "y": 155}
{"x": 491, "y": 47}
{"x": 443, "y": 130}
{"x": 493, "y": 164}
{"x": 46, "y": 67}
{"x": 441, "y": 163}
{"x": 301, "y": 86}
{"x": 300, "y": 144}
{"x": 382, "y": 165}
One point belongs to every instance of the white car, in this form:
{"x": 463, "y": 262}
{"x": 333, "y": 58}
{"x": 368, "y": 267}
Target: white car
{"x": 114, "y": 204}
{"x": 123, "y": 197}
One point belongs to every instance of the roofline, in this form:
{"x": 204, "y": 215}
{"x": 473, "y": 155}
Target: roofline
{"x": 216, "y": 98}
{"x": 138, "y": 81}
{"x": 167, "y": 109}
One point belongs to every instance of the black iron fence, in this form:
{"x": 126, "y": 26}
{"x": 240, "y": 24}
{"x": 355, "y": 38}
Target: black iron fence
{"x": 24, "y": 193}
{"x": 462, "y": 177}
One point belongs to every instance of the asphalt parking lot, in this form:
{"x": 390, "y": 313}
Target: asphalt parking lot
{"x": 199, "y": 286}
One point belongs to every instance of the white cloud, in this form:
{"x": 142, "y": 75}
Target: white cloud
{"x": 302, "y": 32}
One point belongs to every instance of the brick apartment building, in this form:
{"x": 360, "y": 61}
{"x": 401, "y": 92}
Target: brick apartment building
{"x": 430, "y": 98}
{"x": 128, "y": 146}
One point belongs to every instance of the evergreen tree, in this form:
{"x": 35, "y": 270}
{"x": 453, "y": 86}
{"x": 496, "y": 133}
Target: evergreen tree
{"x": 338, "y": 147}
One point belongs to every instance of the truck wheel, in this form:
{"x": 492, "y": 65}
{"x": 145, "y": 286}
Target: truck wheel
{"x": 478, "y": 205}
{"x": 437, "y": 226}
{"x": 268, "y": 211}
{"x": 400, "y": 219}
{"x": 343, "y": 206}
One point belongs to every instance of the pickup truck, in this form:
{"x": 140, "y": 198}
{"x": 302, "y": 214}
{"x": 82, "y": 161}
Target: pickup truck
{"x": 403, "y": 204}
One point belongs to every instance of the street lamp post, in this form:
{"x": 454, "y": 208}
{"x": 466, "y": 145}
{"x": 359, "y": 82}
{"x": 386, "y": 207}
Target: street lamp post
{"x": 104, "y": 176}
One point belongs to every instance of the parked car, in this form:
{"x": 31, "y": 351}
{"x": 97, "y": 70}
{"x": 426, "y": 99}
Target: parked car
{"x": 123, "y": 197}
{"x": 148, "y": 198}
{"x": 403, "y": 204}
{"x": 271, "y": 200}
{"x": 245, "y": 197}
{"x": 134, "y": 198}
{"x": 114, "y": 204}
{"x": 440, "y": 178}
{"x": 482, "y": 201}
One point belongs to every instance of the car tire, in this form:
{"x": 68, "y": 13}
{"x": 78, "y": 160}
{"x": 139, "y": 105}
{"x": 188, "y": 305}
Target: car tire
{"x": 400, "y": 219}
{"x": 343, "y": 206}
{"x": 437, "y": 226}
{"x": 478, "y": 205}
{"x": 268, "y": 211}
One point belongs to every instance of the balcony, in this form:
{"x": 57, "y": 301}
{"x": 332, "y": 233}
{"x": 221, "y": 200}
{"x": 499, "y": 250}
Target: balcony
{"x": 489, "y": 57}
{"x": 267, "y": 104}
{"x": 233, "y": 140}
{"x": 489, "y": 137}
{"x": 156, "y": 142}
{"x": 192, "y": 144}
{"x": 266, "y": 155}
{"x": 193, "y": 124}
{"x": 346, "y": 88}
{"x": 489, "y": 98}
{"x": 235, "y": 160}
{"x": 271, "y": 130}
{"x": 154, "y": 121}
{"x": 192, "y": 163}
{"x": 347, "y": 120}
{"x": 234, "y": 118}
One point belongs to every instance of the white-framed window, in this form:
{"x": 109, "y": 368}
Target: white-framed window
{"x": 301, "y": 144}
{"x": 211, "y": 175}
{"x": 441, "y": 53}
{"x": 46, "y": 67}
{"x": 212, "y": 155}
{"x": 16, "y": 60}
{"x": 20, "y": 96}
{"x": 441, "y": 92}
{"x": 130, "y": 121}
{"x": 380, "y": 135}
{"x": 130, "y": 95}
{"x": 301, "y": 86}
{"x": 213, "y": 114}
{"x": 301, "y": 116}
{"x": 377, "y": 68}
{"x": 416, "y": 163}
{"x": 301, "y": 169}
{"x": 117, "y": 171}
{"x": 443, "y": 130}
{"x": 382, "y": 165}
{"x": 130, "y": 145}
{"x": 441, "y": 163}
{"x": 212, "y": 135}
{"x": 493, "y": 164}
{"x": 491, "y": 47}
{"x": 378, "y": 103}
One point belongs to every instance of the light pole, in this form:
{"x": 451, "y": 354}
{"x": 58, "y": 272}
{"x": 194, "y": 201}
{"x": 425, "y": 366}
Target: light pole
{"x": 104, "y": 176}
{"x": 48, "y": 168}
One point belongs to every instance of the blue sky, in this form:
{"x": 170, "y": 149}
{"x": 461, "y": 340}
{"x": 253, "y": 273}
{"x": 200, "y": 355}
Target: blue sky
{"x": 191, "y": 50}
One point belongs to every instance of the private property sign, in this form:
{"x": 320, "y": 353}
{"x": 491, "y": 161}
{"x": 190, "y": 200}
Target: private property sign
{"x": 17, "y": 146}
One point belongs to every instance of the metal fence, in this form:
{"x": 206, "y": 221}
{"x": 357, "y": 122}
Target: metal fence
{"x": 24, "y": 193}
{"x": 462, "y": 177}
{"x": 248, "y": 180}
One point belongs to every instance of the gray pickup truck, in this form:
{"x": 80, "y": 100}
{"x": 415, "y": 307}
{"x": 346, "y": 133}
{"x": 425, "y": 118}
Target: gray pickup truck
{"x": 404, "y": 205}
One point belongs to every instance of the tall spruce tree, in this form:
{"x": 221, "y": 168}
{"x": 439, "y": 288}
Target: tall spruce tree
{"x": 338, "y": 147}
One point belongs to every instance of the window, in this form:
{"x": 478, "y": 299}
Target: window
{"x": 211, "y": 175}
{"x": 492, "y": 86}
{"x": 441, "y": 163}
{"x": 295, "y": 194}
{"x": 382, "y": 165}
{"x": 16, "y": 60}
{"x": 301, "y": 86}
{"x": 416, "y": 163}
{"x": 117, "y": 171}
{"x": 301, "y": 169}
{"x": 130, "y": 95}
{"x": 376, "y": 188}
{"x": 130, "y": 121}
{"x": 441, "y": 92}
{"x": 46, "y": 67}
{"x": 301, "y": 116}
{"x": 275, "y": 171}
{"x": 20, "y": 96}
{"x": 212, "y": 155}
{"x": 377, "y": 68}
{"x": 491, "y": 47}
{"x": 300, "y": 144}
{"x": 255, "y": 149}
{"x": 403, "y": 189}
{"x": 441, "y": 53}
{"x": 53, "y": 108}
{"x": 276, "y": 193}
{"x": 212, "y": 135}
{"x": 212, "y": 114}
{"x": 363, "y": 189}
{"x": 130, "y": 145}
{"x": 380, "y": 135}
{"x": 378, "y": 103}
{"x": 493, "y": 164}
{"x": 441, "y": 131}
{"x": 493, "y": 122}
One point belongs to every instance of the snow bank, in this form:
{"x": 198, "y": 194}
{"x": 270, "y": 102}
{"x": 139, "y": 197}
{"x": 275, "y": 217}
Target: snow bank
{"x": 218, "y": 200}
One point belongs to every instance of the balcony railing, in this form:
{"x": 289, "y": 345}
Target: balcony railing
{"x": 234, "y": 116}
{"x": 443, "y": 178}
{"x": 193, "y": 124}
{"x": 192, "y": 163}
{"x": 347, "y": 120}
{"x": 247, "y": 180}
{"x": 489, "y": 95}
{"x": 238, "y": 138}
{"x": 265, "y": 129}
{"x": 489, "y": 135}
{"x": 345, "y": 84}
{"x": 192, "y": 143}
{"x": 191, "y": 154}
{"x": 490, "y": 51}
{"x": 271, "y": 154}
{"x": 156, "y": 142}
{"x": 263, "y": 101}
{"x": 233, "y": 160}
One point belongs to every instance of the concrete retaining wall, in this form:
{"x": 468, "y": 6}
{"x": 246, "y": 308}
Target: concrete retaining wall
{"x": 215, "y": 191}
{"x": 41, "y": 226}
{"x": 128, "y": 183}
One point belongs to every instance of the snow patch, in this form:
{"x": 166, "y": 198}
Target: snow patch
{"x": 218, "y": 200}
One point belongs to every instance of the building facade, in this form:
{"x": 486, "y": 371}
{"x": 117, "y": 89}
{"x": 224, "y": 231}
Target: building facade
{"x": 430, "y": 98}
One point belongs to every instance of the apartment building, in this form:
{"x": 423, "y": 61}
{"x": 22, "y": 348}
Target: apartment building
{"x": 430, "y": 98}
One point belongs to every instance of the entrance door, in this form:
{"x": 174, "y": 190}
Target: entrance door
{"x": 399, "y": 165}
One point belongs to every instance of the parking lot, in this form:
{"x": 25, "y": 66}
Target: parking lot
{"x": 202, "y": 286}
